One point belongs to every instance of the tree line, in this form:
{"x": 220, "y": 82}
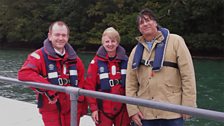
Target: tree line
{"x": 26, "y": 22}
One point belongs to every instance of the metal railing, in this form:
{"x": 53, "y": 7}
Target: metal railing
{"x": 75, "y": 92}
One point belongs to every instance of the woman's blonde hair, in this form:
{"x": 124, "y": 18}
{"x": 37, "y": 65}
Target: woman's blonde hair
{"x": 111, "y": 33}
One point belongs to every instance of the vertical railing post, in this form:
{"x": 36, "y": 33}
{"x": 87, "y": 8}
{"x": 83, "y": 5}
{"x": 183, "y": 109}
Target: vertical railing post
{"x": 74, "y": 107}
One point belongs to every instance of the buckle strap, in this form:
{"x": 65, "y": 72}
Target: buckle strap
{"x": 146, "y": 62}
{"x": 63, "y": 81}
{"x": 165, "y": 63}
{"x": 114, "y": 82}
{"x": 170, "y": 64}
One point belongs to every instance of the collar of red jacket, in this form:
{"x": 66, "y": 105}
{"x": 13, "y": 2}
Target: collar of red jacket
{"x": 121, "y": 53}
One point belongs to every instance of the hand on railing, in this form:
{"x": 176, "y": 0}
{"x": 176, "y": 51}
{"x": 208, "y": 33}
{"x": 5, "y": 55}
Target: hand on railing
{"x": 185, "y": 116}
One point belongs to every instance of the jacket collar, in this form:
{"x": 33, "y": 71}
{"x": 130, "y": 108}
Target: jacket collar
{"x": 158, "y": 39}
{"x": 50, "y": 50}
{"x": 121, "y": 53}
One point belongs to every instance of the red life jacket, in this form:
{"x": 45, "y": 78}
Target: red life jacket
{"x": 53, "y": 75}
{"x": 105, "y": 82}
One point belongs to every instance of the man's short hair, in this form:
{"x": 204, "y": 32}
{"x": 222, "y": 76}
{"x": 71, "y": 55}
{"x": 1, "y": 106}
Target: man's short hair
{"x": 60, "y": 23}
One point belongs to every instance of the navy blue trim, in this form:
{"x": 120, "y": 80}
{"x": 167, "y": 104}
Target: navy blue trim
{"x": 159, "y": 52}
{"x": 123, "y": 76}
{"x": 73, "y": 78}
{"x": 53, "y": 68}
{"x": 102, "y": 69}
{"x": 137, "y": 56}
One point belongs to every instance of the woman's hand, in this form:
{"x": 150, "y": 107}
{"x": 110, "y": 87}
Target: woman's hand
{"x": 95, "y": 116}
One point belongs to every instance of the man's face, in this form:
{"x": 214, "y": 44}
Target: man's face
{"x": 109, "y": 44}
{"x": 58, "y": 36}
{"x": 147, "y": 26}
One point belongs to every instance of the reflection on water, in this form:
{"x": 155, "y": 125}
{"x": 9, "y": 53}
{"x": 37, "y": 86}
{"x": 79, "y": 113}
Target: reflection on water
{"x": 209, "y": 75}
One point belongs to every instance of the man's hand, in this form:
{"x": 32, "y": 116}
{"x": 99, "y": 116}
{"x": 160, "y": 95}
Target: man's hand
{"x": 53, "y": 101}
{"x": 185, "y": 116}
{"x": 137, "y": 118}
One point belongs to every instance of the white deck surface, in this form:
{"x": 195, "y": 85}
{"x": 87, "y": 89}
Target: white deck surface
{"x": 18, "y": 113}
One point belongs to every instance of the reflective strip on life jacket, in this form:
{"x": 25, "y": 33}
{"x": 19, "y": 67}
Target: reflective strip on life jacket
{"x": 104, "y": 76}
{"x": 123, "y": 71}
{"x": 73, "y": 72}
{"x": 53, "y": 75}
{"x": 73, "y": 75}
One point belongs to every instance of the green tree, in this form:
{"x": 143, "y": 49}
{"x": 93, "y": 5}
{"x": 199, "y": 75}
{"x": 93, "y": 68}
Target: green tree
{"x": 27, "y": 21}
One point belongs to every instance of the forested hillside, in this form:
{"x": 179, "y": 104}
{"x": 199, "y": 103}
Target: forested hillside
{"x": 25, "y": 22}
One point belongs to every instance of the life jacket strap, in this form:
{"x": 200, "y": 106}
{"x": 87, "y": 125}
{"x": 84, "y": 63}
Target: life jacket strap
{"x": 114, "y": 82}
{"x": 63, "y": 81}
{"x": 165, "y": 63}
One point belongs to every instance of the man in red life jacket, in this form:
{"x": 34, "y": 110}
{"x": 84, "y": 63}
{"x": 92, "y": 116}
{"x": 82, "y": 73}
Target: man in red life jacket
{"x": 107, "y": 73}
{"x": 55, "y": 63}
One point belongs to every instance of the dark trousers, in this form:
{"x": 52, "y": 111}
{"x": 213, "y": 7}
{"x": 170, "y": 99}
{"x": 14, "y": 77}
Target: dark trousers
{"x": 163, "y": 122}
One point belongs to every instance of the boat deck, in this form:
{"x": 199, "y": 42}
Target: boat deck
{"x": 19, "y": 113}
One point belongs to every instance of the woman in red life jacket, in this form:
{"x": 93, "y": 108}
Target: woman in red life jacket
{"x": 107, "y": 73}
{"x": 55, "y": 63}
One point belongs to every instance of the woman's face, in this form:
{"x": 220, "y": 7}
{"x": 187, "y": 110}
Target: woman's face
{"x": 109, "y": 44}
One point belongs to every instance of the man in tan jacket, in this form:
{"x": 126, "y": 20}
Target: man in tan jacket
{"x": 160, "y": 68}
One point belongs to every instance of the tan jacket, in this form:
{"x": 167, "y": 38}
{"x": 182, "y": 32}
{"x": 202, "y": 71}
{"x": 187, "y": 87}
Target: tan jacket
{"x": 171, "y": 85}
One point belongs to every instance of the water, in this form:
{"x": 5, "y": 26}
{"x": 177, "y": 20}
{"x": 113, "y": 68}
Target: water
{"x": 209, "y": 77}
{"x": 210, "y": 86}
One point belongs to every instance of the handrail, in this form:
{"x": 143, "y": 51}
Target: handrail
{"x": 75, "y": 92}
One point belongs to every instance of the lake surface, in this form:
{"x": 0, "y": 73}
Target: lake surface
{"x": 209, "y": 77}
